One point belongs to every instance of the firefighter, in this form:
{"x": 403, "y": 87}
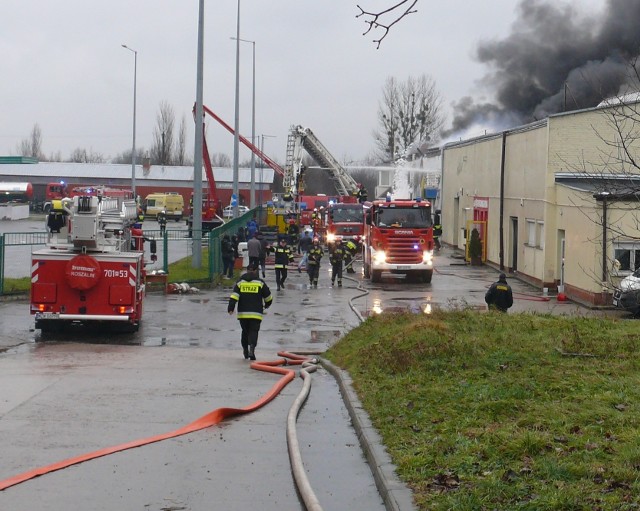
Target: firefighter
{"x": 283, "y": 257}
{"x": 293, "y": 231}
{"x": 313, "y": 262}
{"x": 336, "y": 258}
{"x": 162, "y": 222}
{"x": 361, "y": 193}
{"x": 437, "y": 230}
{"x": 252, "y": 295}
{"x": 350, "y": 251}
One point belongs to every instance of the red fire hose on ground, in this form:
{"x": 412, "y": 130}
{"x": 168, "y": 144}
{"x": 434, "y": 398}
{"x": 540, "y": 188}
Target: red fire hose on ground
{"x": 210, "y": 419}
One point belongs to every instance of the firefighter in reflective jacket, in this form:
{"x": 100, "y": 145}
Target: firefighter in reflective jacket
{"x": 283, "y": 258}
{"x": 350, "y": 250}
{"x": 336, "y": 258}
{"x": 252, "y": 295}
{"x": 313, "y": 262}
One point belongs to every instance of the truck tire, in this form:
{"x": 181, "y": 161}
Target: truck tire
{"x": 376, "y": 275}
{"x": 367, "y": 271}
{"x": 426, "y": 276}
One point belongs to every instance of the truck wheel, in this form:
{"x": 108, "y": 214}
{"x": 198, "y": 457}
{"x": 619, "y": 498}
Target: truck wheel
{"x": 367, "y": 271}
{"x": 426, "y": 276}
{"x": 376, "y": 275}
{"x": 46, "y": 208}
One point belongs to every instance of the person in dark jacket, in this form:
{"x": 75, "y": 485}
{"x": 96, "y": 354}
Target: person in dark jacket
{"x": 265, "y": 247}
{"x": 228, "y": 256}
{"x": 303, "y": 247}
{"x": 283, "y": 258}
{"x": 350, "y": 251}
{"x": 499, "y": 296}
{"x": 336, "y": 257}
{"x": 252, "y": 295}
{"x": 313, "y": 262}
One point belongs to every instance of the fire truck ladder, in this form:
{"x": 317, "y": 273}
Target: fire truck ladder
{"x": 304, "y": 137}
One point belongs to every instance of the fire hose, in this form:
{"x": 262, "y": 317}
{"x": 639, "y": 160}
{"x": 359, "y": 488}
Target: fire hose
{"x": 210, "y": 419}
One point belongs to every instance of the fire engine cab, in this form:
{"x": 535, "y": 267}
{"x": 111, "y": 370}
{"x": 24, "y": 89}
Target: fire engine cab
{"x": 92, "y": 267}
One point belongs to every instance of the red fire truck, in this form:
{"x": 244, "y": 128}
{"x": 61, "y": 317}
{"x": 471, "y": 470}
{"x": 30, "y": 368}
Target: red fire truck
{"x": 398, "y": 238}
{"x": 92, "y": 268}
{"x": 344, "y": 222}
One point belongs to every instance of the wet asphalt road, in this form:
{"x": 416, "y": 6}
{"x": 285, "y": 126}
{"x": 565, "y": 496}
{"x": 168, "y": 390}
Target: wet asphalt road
{"x": 80, "y": 391}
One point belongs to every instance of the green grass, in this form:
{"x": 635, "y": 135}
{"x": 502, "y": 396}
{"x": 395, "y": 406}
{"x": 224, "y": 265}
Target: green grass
{"x": 494, "y": 411}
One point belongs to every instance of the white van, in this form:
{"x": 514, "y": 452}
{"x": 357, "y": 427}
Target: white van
{"x": 171, "y": 203}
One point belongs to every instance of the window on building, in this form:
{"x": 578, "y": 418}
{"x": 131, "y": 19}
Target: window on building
{"x": 385, "y": 178}
{"x": 540, "y": 234}
{"x": 531, "y": 233}
{"x": 627, "y": 256}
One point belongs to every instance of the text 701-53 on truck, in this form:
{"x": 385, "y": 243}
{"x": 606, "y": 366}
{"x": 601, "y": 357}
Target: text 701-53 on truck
{"x": 92, "y": 268}
{"x": 398, "y": 238}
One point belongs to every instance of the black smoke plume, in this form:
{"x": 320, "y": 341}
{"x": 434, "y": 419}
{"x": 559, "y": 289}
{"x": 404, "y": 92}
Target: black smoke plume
{"x": 555, "y": 59}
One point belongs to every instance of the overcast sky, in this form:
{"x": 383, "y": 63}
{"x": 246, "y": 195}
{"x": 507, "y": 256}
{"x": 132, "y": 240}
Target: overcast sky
{"x": 64, "y": 68}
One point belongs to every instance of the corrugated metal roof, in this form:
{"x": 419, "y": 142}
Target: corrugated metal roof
{"x": 97, "y": 171}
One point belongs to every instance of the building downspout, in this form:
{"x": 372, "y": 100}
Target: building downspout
{"x": 502, "y": 164}
{"x": 604, "y": 239}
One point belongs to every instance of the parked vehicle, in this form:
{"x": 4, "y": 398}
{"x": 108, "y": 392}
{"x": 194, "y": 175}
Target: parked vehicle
{"x": 228, "y": 211}
{"x": 627, "y": 296}
{"x": 171, "y": 203}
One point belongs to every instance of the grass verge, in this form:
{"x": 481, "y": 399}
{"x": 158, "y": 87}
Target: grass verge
{"x": 495, "y": 411}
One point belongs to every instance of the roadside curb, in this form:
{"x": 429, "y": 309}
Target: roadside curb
{"x": 395, "y": 494}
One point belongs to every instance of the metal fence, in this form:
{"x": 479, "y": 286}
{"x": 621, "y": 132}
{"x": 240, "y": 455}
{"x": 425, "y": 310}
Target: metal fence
{"x": 171, "y": 246}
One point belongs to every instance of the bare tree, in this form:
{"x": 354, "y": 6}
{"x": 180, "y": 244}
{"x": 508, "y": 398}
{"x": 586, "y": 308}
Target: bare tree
{"x": 220, "y": 160}
{"x": 410, "y": 113}
{"x": 32, "y": 146}
{"x": 386, "y": 18}
{"x": 181, "y": 143}
{"x": 162, "y": 148}
{"x": 125, "y": 156}
{"x": 80, "y": 155}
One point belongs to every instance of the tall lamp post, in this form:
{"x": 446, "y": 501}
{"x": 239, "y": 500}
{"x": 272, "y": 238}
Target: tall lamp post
{"x": 236, "y": 136}
{"x": 263, "y": 136}
{"x": 253, "y": 125}
{"x": 133, "y": 148}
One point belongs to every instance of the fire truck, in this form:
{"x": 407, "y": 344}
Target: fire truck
{"x": 398, "y": 238}
{"x": 344, "y": 222}
{"x": 92, "y": 268}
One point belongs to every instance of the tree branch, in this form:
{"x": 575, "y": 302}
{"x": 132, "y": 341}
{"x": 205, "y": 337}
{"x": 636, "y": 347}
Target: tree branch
{"x": 378, "y": 19}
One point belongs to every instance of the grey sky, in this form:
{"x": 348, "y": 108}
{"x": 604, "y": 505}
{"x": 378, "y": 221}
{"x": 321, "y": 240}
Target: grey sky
{"x": 63, "y": 67}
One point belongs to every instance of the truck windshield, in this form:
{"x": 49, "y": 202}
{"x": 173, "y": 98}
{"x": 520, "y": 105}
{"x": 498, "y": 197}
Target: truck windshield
{"x": 347, "y": 213}
{"x": 414, "y": 218}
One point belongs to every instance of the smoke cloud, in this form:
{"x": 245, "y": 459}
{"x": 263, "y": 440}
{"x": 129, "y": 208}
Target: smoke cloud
{"x": 555, "y": 59}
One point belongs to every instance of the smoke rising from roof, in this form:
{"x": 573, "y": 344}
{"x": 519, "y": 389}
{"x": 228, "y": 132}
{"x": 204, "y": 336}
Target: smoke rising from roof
{"x": 555, "y": 59}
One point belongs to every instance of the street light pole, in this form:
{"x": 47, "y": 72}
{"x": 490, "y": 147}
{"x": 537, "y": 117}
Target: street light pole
{"x": 236, "y": 136}
{"x": 253, "y": 125}
{"x": 263, "y": 136}
{"x": 133, "y": 148}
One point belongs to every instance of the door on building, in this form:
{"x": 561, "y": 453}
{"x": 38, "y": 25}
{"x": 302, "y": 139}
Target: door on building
{"x": 514, "y": 243}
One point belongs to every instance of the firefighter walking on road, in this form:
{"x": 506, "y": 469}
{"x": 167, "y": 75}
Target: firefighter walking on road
{"x": 313, "y": 262}
{"x": 350, "y": 250}
{"x": 283, "y": 258}
{"x": 336, "y": 258}
{"x": 252, "y": 295}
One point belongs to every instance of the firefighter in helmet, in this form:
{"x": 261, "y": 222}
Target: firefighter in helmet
{"x": 313, "y": 262}
{"x": 350, "y": 251}
{"x": 336, "y": 258}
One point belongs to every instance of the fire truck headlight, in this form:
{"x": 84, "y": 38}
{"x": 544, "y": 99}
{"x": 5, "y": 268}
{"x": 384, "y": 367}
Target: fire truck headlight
{"x": 331, "y": 237}
{"x": 379, "y": 257}
{"x": 427, "y": 256}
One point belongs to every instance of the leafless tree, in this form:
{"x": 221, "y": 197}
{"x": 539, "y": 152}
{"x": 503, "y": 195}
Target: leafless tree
{"x": 386, "y": 18}
{"x": 125, "y": 156}
{"x": 409, "y": 113}
{"x": 220, "y": 160}
{"x": 32, "y": 146}
{"x": 181, "y": 143}
{"x": 162, "y": 148}
{"x": 80, "y": 155}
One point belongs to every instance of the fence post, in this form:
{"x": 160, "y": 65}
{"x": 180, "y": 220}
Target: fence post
{"x": 1, "y": 264}
{"x": 165, "y": 252}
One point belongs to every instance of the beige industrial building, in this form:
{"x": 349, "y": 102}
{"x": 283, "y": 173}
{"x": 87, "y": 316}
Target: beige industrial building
{"x": 550, "y": 198}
